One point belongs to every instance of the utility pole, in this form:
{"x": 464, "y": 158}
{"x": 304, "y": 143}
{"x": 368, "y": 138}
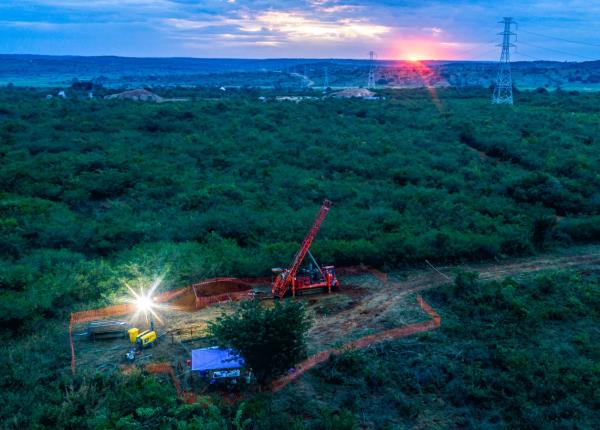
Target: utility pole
{"x": 371, "y": 80}
{"x": 503, "y": 90}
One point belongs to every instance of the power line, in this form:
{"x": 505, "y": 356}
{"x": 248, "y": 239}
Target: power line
{"x": 561, "y": 39}
{"x": 557, "y": 51}
{"x": 529, "y": 56}
{"x": 479, "y": 56}
{"x": 476, "y": 48}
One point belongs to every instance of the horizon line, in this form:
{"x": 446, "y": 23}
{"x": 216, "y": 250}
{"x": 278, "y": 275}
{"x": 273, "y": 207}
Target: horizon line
{"x": 379, "y": 60}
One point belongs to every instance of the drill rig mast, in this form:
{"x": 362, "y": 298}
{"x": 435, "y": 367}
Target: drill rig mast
{"x": 320, "y": 277}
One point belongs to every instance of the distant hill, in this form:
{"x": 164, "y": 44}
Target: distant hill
{"x": 126, "y": 72}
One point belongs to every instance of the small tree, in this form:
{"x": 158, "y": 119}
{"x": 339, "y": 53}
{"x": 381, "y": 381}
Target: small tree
{"x": 270, "y": 339}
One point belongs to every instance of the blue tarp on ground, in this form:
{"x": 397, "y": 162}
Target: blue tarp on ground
{"x": 215, "y": 358}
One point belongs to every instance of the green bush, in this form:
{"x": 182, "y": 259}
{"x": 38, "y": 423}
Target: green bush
{"x": 271, "y": 340}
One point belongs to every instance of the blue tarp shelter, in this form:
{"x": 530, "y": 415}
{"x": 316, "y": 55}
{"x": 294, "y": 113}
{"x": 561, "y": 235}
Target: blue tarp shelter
{"x": 215, "y": 358}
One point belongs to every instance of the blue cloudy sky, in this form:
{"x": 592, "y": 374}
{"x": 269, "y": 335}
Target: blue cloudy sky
{"x": 432, "y": 29}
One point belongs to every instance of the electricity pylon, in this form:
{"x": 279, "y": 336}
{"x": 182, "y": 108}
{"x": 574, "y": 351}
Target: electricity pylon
{"x": 326, "y": 80}
{"x": 503, "y": 90}
{"x": 371, "y": 80}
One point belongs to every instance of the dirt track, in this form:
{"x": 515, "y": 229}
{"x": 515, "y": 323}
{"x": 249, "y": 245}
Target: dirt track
{"x": 392, "y": 293}
{"x": 580, "y": 259}
{"x": 389, "y": 292}
{"x": 365, "y": 341}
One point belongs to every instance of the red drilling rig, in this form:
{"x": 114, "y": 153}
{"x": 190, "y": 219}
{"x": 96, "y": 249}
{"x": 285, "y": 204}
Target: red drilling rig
{"x": 312, "y": 277}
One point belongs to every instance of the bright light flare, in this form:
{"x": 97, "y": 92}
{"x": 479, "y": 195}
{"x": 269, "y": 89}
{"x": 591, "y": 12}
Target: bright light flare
{"x": 144, "y": 301}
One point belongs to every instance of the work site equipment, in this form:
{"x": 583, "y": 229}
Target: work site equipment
{"x": 215, "y": 363}
{"x": 143, "y": 339}
{"x": 133, "y": 334}
{"x": 146, "y": 339}
{"x": 106, "y": 329}
{"x": 312, "y": 277}
{"x": 130, "y": 356}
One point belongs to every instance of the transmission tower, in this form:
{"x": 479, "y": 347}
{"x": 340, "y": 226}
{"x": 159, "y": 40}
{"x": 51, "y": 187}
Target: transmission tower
{"x": 503, "y": 91}
{"x": 325, "y": 80}
{"x": 371, "y": 80}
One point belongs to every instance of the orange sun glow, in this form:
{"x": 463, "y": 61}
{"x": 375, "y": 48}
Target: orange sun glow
{"x": 419, "y": 50}
{"x": 414, "y": 57}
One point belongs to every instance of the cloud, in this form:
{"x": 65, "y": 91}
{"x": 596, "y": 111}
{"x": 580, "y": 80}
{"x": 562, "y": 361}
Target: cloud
{"x": 339, "y": 8}
{"x": 96, "y": 4}
{"x": 296, "y": 26}
{"x": 435, "y": 31}
{"x": 188, "y": 24}
{"x": 277, "y": 27}
{"x": 32, "y": 25}
{"x": 333, "y": 6}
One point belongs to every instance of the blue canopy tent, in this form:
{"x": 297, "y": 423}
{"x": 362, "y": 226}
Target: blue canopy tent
{"x": 216, "y": 359}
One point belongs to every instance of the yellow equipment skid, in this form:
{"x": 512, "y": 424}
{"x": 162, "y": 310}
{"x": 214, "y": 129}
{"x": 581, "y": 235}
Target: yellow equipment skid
{"x": 133, "y": 334}
{"x": 146, "y": 338}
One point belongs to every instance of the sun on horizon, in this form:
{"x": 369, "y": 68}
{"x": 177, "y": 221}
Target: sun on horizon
{"x": 414, "y": 57}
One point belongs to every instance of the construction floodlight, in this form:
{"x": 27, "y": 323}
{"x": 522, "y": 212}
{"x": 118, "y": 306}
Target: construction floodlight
{"x": 144, "y": 301}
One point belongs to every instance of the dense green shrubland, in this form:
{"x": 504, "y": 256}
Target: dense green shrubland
{"x": 96, "y": 192}
{"x": 88, "y": 180}
{"x": 510, "y": 354}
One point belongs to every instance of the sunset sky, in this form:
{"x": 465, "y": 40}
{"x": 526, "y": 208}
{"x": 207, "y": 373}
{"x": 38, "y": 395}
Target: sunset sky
{"x": 409, "y": 29}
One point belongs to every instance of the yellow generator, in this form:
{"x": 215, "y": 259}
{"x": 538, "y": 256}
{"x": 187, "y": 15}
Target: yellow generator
{"x": 143, "y": 339}
{"x": 133, "y": 334}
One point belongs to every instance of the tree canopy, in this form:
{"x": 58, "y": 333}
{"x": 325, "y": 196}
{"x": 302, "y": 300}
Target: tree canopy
{"x": 271, "y": 339}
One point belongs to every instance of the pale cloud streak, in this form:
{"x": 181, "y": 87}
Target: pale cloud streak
{"x": 272, "y": 28}
{"x": 297, "y": 26}
{"x": 434, "y": 31}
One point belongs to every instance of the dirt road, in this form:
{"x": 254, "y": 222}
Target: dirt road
{"x": 384, "y": 303}
{"x": 371, "y": 303}
{"x": 585, "y": 258}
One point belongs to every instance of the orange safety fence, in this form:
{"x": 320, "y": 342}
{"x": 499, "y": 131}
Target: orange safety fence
{"x": 202, "y": 302}
{"x": 217, "y": 290}
{"x": 210, "y": 287}
{"x": 113, "y": 310}
{"x": 222, "y": 280}
{"x": 246, "y": 293}
{"x": 123, "y": 308}
{"x": 256, "y": 281}
{"x": 167, "y": 296}
{"x": 363, "y": 342}
{"x": 166, "y": 368}
{"x": 91, "y": 315}
{"x": 108, "y": 311}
